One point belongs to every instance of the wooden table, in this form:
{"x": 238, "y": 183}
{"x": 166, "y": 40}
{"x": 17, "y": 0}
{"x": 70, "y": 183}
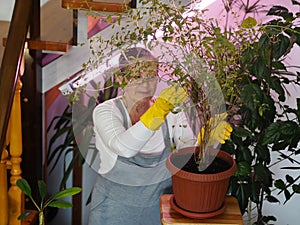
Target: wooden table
{"x": 231, "y": 215}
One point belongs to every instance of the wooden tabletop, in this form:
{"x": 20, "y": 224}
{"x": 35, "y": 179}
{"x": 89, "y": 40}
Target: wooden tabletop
{"x": 231, "y": 215}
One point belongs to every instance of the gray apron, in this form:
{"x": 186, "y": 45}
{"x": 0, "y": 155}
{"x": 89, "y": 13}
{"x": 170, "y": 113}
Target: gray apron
{"x": 129, "y": 193}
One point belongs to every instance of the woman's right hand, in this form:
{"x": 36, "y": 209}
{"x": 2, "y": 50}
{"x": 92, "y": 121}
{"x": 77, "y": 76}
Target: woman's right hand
{"x": 171, "y": 97}
{"x": 168, "y": 99}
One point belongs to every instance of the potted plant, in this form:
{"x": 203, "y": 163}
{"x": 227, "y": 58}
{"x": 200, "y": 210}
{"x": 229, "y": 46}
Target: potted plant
{"x": 247, "y": 60}
{"x": 206, "y": 108}
{"x": 53, "y": 201}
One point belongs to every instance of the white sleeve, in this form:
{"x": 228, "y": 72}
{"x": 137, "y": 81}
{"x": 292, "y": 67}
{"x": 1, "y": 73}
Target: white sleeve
{"x": 108, "y": 124}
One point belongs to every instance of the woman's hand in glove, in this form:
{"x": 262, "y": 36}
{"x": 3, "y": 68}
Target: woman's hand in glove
{"x": 220, "y": 132}
{"x": 167, "y": 100}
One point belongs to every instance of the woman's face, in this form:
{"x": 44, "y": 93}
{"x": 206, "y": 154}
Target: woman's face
{"x": 143, "y": 81}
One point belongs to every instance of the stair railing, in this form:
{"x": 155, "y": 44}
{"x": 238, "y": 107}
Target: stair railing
{"x": 12, "y": 202}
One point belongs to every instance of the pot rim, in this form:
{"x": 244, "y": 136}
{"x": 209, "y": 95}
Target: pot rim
{"x": 175, "y": 171}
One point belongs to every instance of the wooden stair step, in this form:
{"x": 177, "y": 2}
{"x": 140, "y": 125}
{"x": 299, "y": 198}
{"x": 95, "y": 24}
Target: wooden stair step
{"x": 49, "y": 45}
{"x": 56, "y": 29}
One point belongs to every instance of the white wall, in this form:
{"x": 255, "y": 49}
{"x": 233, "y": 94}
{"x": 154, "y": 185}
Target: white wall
{"x": 6, "y": 9}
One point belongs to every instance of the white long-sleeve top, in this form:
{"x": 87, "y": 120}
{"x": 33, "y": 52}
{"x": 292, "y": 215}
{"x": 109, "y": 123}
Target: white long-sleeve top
{"x": 113, "y": 139}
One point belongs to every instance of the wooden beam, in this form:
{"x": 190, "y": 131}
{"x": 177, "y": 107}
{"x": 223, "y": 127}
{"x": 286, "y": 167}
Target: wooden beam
{"x": 103, "y": 5}
{"x": 37, "y": 44}
{"x": 49, "y": 45}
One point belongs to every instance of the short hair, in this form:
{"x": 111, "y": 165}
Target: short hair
{"x": 133, "y": 55}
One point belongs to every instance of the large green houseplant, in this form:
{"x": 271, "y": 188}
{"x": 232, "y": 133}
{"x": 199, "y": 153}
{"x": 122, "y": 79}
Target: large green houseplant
{"x": 248, "y": 60}
{"x": 179, "y": 65}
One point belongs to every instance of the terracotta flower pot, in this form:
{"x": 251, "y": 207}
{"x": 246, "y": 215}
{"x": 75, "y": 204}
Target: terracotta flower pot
{"x": 200, "y": 193}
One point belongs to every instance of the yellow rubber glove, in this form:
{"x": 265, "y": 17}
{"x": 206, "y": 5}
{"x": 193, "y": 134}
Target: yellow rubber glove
{"x": 167, "y": 100}
{"x": 220, "y": 132}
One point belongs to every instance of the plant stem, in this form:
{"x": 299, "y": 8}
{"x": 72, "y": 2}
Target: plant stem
{"x": 41, "y": 218}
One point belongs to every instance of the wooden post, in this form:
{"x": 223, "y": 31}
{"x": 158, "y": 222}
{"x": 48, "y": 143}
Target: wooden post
{"x": 3, "y": 189}
{"x": 15, "y": 195}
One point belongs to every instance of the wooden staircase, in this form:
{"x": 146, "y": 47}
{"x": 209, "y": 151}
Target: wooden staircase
{"x": 59, "y": 34}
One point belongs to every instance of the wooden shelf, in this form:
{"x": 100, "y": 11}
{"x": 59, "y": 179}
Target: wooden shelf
{"x": 97, "y": 5}
{"x": 231, "y": 216}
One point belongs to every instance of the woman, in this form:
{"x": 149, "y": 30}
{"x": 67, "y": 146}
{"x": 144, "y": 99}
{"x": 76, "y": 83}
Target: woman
{"x": 134, "y": 134}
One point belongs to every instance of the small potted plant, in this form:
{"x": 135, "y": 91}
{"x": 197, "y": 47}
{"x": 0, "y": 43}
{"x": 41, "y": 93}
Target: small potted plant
{"x": 53, "y": 201}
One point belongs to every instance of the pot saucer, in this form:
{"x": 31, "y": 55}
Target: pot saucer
{"x": 195, "y": 215}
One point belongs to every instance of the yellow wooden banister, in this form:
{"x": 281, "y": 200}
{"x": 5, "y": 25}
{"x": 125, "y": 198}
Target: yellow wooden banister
{"x": 12, "y": 200}
{"x": 15, "y": 195}
{"x": 3, "y": 189}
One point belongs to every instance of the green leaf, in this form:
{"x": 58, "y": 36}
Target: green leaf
{"x": 251, "y": 94}
{"x": 241, "y": 132}
{"x": 263, "y": 153}
{"x": 66, "y": 193}
{"x": 255, "y": 190}
{"x": 297, "y": 35}
{"x": 281, "y": 46}
{"x": 249, "y": 22}
{"x": 280, "y": 184}
{"x": 272, "y": 134}
{"x": 287, "y": 195}
{"x": 298, "y": 110}
{"x": 24, "y": 186}
{"x": 258, "y": 67}
{"x": 241, "y": 190}
{"x": 280, "y": 11}
{"x": 275, "y": 84}
{"x": 243, "y": 169}
{"x": 289, "y": 179}
{"x": 42, "y": 189}
{"x": 280, "y": 145}
{"x": 296, "y": 188}
{"x": 272, "y": 199}
{"x": 263, "y": 174}
{"x": 24, "y": 215}
{"x": 264, "y": 42}
{"x": 295, "y": 2}
{"x": 60, "y": 204}
{"x": 277, "y": 65}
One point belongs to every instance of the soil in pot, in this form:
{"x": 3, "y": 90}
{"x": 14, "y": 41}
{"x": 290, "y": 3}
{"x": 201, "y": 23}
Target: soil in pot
{"x": 217, "y": 165}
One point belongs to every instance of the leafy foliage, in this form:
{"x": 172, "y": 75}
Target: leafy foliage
{"x": 53, "y": 201}
{"x": 249, "y": 61}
